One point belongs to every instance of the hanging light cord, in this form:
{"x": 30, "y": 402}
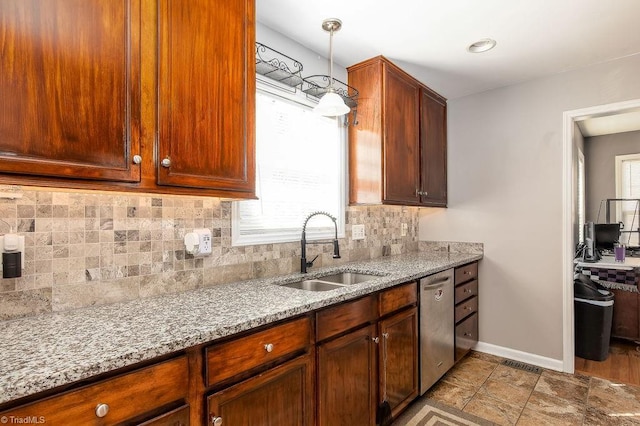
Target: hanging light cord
{"x": 331, "y": 58}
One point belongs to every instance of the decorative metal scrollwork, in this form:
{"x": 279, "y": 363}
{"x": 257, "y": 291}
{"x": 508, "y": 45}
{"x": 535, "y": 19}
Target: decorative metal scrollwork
{"x": 278, "y": 66}
{"x": 318, "y": 85}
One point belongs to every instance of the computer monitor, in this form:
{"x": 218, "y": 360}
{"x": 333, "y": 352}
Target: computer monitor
{"x": 606, "y": 235}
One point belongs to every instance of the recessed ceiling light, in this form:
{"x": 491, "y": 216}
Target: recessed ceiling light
{"x": 482, "y": 45}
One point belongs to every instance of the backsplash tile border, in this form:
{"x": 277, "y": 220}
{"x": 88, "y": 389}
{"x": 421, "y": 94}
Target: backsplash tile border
{"x": 85, "y": 248}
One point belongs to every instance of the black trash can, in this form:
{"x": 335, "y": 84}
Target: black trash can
{"x": 593, "y": 314}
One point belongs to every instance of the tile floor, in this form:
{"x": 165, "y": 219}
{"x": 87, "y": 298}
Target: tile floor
{"x": 482, "y": 386}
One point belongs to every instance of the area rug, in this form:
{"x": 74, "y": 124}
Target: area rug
{"x": 427, "y": 412}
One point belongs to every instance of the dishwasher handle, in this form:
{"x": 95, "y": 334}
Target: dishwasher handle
{"x": 440, "y": 282}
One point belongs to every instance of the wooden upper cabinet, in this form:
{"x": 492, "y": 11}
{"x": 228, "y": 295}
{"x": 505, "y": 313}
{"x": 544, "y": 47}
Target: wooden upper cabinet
{"x": 206, "y": 94}
{"x": 401, "y": 138}
{"x": 70, "y": 88}
{"x": 433, "y": 148}
{"x": 397, "y": 148}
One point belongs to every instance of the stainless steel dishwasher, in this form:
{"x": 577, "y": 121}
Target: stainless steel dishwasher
{"x": 436, "y": 327}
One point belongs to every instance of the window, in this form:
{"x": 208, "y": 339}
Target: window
{"x": 628, "y": 186}
{"x": 300, "y": 168}
{"x": 581, "y": 196}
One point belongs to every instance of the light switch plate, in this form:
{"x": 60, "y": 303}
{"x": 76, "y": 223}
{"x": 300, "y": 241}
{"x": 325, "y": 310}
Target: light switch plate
{"x": 403, "y": 230}
{"x": 357, "y": 232}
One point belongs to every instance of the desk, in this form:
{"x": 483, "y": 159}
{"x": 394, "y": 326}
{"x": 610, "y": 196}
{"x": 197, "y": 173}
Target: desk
{"x": 609, "y": 262}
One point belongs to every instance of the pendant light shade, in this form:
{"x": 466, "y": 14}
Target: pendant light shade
{"x": 331, "y": 104}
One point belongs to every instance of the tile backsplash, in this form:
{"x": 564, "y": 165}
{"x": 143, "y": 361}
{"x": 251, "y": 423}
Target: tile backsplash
{"x": 93, "y": 248}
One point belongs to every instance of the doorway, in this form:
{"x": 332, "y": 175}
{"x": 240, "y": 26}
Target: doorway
{"x": 570, "y": 194}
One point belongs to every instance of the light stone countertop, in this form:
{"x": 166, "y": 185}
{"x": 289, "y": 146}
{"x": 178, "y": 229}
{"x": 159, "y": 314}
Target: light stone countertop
{"x": 43, "y": 352}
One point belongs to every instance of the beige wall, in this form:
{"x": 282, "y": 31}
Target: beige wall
{"x": 600, "y": 152}
{"x": 505, "y": 190}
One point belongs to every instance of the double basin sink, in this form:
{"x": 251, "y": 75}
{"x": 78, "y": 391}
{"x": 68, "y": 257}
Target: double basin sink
{"x": 331, "y": 282}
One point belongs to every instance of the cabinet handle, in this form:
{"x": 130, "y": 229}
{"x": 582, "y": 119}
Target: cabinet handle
{"x": 137, "y": 159}
{"x": 216, "y": 420}
{"x": 423, "y": 193}
{"x": 375, "y": 339}
{"x": 385, "y": 335}
{"x": 268, "y": 347}
{"x": 468, "y": 335}
{"x": 166, "y": 162}
{"x": 102, "y": 410}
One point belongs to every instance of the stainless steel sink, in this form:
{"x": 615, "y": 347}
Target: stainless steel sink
{"x": 313, "y": 285}
{"x": 331, "y": 282}
{"x": 348, "y": 278}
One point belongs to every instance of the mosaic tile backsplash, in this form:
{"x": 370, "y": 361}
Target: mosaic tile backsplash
{"x": 91, "y": 248}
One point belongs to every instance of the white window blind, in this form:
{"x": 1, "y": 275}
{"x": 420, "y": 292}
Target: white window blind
{"x": 300, "y": 168}
{"x": 628, "y": 186}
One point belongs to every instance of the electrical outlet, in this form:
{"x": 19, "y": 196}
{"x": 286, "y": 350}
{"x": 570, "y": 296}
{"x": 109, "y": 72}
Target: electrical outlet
{"x": 403, "y": 230}
{"x": 357, "y": 232}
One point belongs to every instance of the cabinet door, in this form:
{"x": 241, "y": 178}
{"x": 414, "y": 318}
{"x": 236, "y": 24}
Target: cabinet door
{"x": 433, "y": 146}
{"x": 626, "y": 315}
{"x": 466, "y": 336}
{"x": 401, "y": 99}
{"x": 206, "y": 94}
{"x": 399, "y": 359}
{"x": 281, "y": 396}
{"x": 69, "y": 88}
{"x": 347, "y": 379}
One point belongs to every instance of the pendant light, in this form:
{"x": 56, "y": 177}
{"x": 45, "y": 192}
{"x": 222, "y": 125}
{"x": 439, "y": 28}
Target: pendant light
{"x": 331, "y": 104}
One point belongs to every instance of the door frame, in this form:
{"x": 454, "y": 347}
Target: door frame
{"x": 568, "y": 195}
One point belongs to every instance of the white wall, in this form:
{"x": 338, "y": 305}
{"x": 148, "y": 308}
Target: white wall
{"x": 505, "y": 190}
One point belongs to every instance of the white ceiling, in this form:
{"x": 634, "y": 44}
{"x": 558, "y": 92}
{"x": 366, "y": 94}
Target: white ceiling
{"x": 429, "y": 38}
{"x": 610, "y": 124}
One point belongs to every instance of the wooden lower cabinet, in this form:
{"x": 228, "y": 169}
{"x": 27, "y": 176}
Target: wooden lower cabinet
{"x": 347, "y": 379}
{"x": 466, "y": 335}
{"x": 466, "y": 308}
{"x": 130, "y": 398}
{"x": 281, "y": 396}
{"x": 399, "y": 359}
{"x": 626, "y": 315}
{"x": 177, "y": 417}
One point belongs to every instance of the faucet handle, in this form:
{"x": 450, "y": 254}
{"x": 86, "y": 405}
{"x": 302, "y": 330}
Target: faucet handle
{"x": 310, "y": 262}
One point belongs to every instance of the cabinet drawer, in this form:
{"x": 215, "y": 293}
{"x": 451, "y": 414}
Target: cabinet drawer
{"x": 228, "y": 359}
{"x": 398, "y": 297}
{"x": 466, "y": 273}
{"x": 335, "y": 320}
{"x": 127, "y": 396}
{"x": 177, "y": 417}
{"x": 466, "y": 308}
{"x": 466, "y": 335}
{"x": 467, "y": 290}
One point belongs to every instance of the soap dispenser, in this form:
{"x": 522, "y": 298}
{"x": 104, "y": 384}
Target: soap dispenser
{"x": 11, "y": 257}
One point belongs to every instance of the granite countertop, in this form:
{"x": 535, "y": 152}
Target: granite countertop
{"x": 43, "y": 352}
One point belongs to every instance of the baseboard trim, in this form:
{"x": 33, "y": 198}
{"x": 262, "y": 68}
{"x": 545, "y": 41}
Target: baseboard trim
{"x": 540, "y": 361}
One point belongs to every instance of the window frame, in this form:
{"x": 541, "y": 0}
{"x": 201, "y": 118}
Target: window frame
{"x": 619, "y": 159}
{"x": 288, "y": 94}
{"x": 582, "y": 208}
